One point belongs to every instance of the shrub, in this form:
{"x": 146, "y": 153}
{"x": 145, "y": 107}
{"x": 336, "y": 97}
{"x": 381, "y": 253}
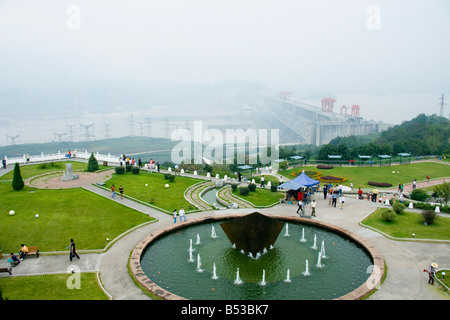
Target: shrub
{"x": 419, "y": 195}
{"x": 120, "y": 170}
{"x": 273, "y": 188}
{"x": 234, "y": 187}
{"x": 398, "y": 207}
{"x": 379, "y": 184}
{"x": 429, "y": 216}
{"x": 388, "y": 215}
{"x": 252, "y": 187}
{"x": 17, "y": 182}
{"x": 243, "y": 191}
{"x": 171, "y": 178}
{"x": 128, "y": 167}
{"x": 135, "y": 170}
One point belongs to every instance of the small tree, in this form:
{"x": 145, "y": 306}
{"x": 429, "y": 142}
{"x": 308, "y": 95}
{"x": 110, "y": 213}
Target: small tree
{"x": 17, "y": 182}
{"x": 429, "y": 216}
{"x": 398, "y": 207}
{"x": 419, "y": 195}
{"x": 92, "y": 164}
{"x": 388, "y": 215}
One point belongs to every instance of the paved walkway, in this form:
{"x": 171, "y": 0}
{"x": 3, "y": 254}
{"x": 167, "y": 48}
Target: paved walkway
{"x": 405, "y": 259}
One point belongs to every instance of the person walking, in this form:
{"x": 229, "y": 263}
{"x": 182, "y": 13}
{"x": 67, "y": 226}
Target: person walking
{"x": 262, "y": 182}
{"x": 73, "y": 252}
{"x": 121, "y": 191}
{"x": 300, "y": 207}
{"x": 342, "y": 201}
{"x": 113, "y": 191}
{"x": 334, "y": 199}
{"x": 431, "y": 273}
{"x": 313, "y": 208}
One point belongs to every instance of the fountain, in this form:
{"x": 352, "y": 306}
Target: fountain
{"x": 314, "y": 246}
{"x": 303, "y": 235}
{"x": 199, "y": 264}
{"x": 286, "y": 234}
{"x": 214, "y": 276}
{"x": 213, "y": 233}
{"x": 288, "y": 276}
{"x": 282, "y": 262}
{"x": 238, "y": 279}
{"x": 306, "y": 272}
{"x": 263, "y": 281}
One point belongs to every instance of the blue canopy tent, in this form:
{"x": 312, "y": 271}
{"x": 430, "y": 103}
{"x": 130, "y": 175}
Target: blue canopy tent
{"x": 301, "y": 181}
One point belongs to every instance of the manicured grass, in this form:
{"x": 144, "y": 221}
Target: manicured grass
{"x": 63, "y": 214}
{"x": 51, "y": 287}
{"x": 407, "y": 223}
{"x": 261, "y": 197}
{"x": 155, "y": 192}
{"x": 445, "y": 280}
{"x": 360, "y": 176}
{"x": 31, "y": 170}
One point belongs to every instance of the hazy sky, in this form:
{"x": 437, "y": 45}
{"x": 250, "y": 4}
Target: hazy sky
{"x": 340, "y": 46}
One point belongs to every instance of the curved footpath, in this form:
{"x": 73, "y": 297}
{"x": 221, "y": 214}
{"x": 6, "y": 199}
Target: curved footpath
{"x": 405, "y": 259}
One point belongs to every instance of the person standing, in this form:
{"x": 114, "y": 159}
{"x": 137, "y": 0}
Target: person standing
{"x": 262, "y": 182}
{"x": 121, "y": 191}
{"x": 113, "y": 191}
{"x": 182, "y": 214}
{"x": 334, "y": 199}
{"x": 175, "y": 216}
{"x": 313, "y": 208}
{"x": 73, "y": 252}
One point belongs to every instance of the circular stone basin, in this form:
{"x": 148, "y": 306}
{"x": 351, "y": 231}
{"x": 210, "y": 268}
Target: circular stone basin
{"x": 293, "y": 269}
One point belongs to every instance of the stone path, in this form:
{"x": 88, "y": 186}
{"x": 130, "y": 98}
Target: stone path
{"x": 192, "y": 195}
{"x": 226, "y": 195}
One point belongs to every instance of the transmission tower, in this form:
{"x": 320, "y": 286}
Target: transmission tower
{"x": 148, "y": 126}
{"x": 442, "y": 104}
{"x": 131, "y": 125}
{"x": 107, "y": 130}
{"x": 59, "y": 135}
{"x": 71, "y": 131}
{"x": 13, "y": 139}
{"x": 87, "y": 135}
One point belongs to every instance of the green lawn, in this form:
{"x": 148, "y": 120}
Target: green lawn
{"x": 63, "y": 214}
{"x": 31, "y": 170}
{"x": 361, "y": 175}
{"x": 261, "y": 197}
{"x": 155, "y": 192}
{"x": 51, "y": 287}
{"x": 407, "y": 223}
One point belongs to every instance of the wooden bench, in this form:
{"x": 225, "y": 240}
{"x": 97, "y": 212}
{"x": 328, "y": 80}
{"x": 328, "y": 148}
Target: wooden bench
{"x": 33, "y": 251}
{"x": 9, "y": 270}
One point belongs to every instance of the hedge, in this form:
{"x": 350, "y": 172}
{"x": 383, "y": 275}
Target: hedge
{"x": 379, "y": 184}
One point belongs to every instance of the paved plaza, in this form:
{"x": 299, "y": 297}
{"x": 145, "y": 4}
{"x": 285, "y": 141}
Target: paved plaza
{"x": 405, "y": 259}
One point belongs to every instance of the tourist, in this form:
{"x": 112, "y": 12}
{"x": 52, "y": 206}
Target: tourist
{"x": 262, "y": 182}
{"x": 113, "y": 191}
{"x": 428, "y": 179}
{"x": 157, "y": 166}
{"x": 313, "y": 208}
{"x": 300, "y": 207}
{"x": 342, "y": 201}
{"x": 176, "y": 170}
{"x": 23, "y": 251}
{"x": 351, "y": 185}
{"x": 334, "y": 199}
{"x": 13, "y": 260}
{"x": 340, "y": 190}
{"x": 175, "y": 216}
{"x": 28, "y": 158}
{"x": 414, "y": 184}
{"x": 73, "y": 252}
{"x": 4, "y": 163}
{"x": 140, "y": 162}
{"x": 121, "y": 191}
{"x": 431, "y": 273}
{"x": 325, "y": 191}
{"x": 182, "y": 214}
{"x": 360, "y": 193}
{"x": 330, "y": 198}
{"x": 375, "y": 194}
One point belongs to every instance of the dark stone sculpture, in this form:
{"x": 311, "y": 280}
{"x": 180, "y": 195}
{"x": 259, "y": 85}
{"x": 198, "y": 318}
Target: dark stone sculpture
{"x": 253, "y": 232}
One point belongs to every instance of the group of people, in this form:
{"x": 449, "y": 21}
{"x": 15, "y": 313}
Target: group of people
{"x": 113, "y": 191}
{"x": 180, "y": 213}
{"x": 126, "y": 161}
{"x": 312, "y": 206}
{"x": 23, "y": 252}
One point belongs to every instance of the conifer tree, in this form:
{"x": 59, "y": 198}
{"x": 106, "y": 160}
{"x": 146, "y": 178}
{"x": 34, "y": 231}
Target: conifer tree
{"x": 17, "y": 182}
{"x": 92, "y": 164}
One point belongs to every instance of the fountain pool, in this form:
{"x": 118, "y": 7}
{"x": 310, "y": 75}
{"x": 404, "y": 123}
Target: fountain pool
{"x": 227, "y": 274}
